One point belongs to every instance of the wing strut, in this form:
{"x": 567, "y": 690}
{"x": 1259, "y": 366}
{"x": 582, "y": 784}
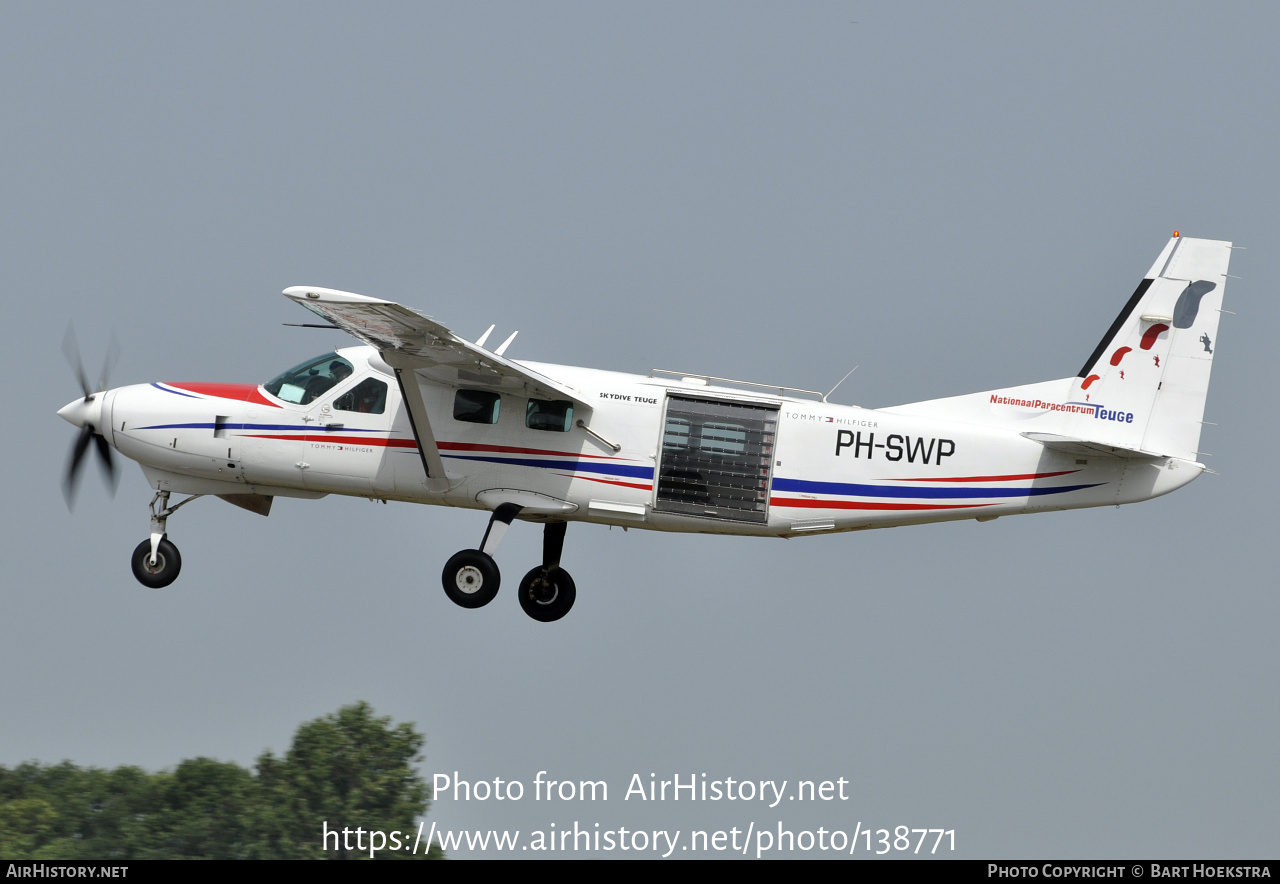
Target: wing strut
{"x": 421, "y": 426}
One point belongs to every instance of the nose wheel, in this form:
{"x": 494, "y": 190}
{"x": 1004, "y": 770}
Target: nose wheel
{"x": 155, "y": 561}
{"x": 157, "y": 572}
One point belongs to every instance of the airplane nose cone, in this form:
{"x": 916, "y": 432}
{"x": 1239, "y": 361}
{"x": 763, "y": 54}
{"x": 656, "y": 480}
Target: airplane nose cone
{"x": 73, "y": 413}
{"x": 79, "y": 412}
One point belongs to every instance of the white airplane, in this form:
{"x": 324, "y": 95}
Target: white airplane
{"x": 420, "y": 415}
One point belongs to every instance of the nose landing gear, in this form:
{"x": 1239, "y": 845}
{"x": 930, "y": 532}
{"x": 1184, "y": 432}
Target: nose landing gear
{"x": 156, "y": 561}
{"x": 471, "y": 577}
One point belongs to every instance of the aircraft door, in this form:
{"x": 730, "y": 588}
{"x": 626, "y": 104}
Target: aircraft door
{"x": 346, "y": 448}
{"x": 716, "y": 459}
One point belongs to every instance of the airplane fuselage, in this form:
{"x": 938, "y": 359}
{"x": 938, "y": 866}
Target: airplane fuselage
{"x": 672, "y": 454}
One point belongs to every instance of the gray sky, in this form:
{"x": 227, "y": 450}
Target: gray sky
{"x": 955, "y": 197}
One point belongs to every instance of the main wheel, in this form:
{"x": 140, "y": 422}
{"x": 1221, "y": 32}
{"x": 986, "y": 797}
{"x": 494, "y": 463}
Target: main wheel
{"x": 164, "y": 571}
{"x": 471, "y": 578}
{"x": 547, "y": 595}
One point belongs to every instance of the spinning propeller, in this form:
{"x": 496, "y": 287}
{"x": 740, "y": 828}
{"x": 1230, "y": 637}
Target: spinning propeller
{"x": 86, "y": 414}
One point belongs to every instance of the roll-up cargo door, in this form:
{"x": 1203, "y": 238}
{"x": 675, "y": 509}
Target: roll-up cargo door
{"x": 716, "y": 459}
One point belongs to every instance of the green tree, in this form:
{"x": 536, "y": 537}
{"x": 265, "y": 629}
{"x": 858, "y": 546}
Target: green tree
{"x": 96, "y": 813}
{"x": 347, "y": 770}
{"x": 25, "y": 823}
{"x": 207, "y": 809}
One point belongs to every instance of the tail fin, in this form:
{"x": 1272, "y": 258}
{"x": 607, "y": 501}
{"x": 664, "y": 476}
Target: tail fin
{"x": 1143, "y": 388}
{"x": 1149, "y": 376}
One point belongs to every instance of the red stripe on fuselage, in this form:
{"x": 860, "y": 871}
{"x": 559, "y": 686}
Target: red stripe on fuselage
{"x": 238, "y": 392}
{"x": 340, "y": 440}
{"x": 1020, "y": 478}
{"x": 607, "y": 481}
{"x": 510, "y": 449}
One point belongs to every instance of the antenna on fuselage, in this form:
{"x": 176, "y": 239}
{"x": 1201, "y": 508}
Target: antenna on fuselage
{"x": 839, "y": 382}
{"x": 484, "y": 337}
{"x": 505, "y": 344}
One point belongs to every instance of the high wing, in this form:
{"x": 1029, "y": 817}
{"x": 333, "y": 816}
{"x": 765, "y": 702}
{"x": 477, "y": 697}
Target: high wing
{"x": 426, "y": 350}
{"x": 407, "y": 339}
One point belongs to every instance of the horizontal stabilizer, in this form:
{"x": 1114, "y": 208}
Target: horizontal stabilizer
{"x": 1085, "y": 448}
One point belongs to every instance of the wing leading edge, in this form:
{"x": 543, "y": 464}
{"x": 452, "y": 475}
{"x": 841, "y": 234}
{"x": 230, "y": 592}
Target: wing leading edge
{"x": 427, "y": 351}
{"x": 408, "y": 340}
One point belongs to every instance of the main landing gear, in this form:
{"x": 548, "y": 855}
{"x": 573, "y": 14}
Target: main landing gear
{"x": 471, "y": 578}
{"x": 156, "y": 561}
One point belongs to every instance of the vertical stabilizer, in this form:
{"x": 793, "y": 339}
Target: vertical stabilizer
{"x": 1148, "y": 378}
{"x": 1143, "y": 388}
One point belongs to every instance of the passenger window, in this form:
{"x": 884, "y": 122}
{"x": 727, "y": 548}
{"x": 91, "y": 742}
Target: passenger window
{"x": 476, "y": 406}
{"x": 556, "y": 415}
{"x": 367, "y": 397}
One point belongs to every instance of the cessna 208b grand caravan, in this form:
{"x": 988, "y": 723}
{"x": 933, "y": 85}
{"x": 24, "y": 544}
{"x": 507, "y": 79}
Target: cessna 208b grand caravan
{"x": 419, "y": 414}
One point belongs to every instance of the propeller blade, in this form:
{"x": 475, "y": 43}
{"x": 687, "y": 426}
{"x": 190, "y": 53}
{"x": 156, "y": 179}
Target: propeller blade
{"x": 108, "y": 462}
{"x": 71, "y": 349}
{"x": 71, "y": 480}
{"x": 108, "y": 362}
{"x": 72, "y": 477}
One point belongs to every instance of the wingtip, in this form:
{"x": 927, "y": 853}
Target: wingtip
{"x": 312, "y": 293}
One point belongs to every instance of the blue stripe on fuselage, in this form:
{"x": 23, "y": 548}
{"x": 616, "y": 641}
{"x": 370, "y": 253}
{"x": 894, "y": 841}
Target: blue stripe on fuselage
{"x": 802, "y": 485}
{"x": 293, "y": 427}
{"x": 174, "y": 392}
{"x": 608, "y": 469}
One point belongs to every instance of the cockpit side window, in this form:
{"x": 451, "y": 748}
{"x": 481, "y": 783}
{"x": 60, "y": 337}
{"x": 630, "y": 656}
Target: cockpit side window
{"x": 302, "y": 384}
{"x": 367, "y": 397}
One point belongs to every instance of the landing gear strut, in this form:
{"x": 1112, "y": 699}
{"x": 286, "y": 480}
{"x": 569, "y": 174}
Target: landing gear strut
{"x": 471, "y": 577}
{"x": 547, "y": 592}
{"x": 156, "y": 561}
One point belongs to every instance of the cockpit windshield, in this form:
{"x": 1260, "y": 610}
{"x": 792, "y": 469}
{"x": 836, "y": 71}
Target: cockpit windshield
{"x": 304, "y": 383}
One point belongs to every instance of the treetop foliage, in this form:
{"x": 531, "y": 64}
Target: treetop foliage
{"x": 349, "y": 769}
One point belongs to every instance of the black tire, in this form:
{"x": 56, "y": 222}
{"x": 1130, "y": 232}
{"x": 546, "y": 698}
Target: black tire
{"x": 547, "y": 596}
{"x": 471, "y": 578}
{"x": 165, "y": 571}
